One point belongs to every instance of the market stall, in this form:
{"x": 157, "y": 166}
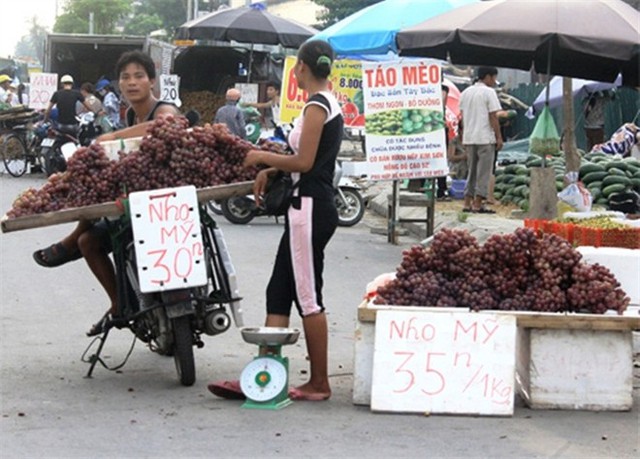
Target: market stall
{"x": 573, "y": 314}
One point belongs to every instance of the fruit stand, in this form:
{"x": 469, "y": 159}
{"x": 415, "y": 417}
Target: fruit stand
{"x": 573, "y": 346}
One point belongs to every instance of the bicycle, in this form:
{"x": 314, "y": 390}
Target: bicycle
{"x": 20, "y": 145}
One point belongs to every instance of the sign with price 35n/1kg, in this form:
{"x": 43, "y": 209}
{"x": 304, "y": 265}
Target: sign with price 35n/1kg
{"x": 444, "y": 362}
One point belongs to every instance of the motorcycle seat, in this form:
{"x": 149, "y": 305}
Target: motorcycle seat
{"x": 71, "y": 129}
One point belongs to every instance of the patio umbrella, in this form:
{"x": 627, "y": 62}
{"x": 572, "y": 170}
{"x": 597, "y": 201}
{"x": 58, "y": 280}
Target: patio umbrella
{"x": 580, "y": 88}
{"x": 247, "y": 24}
{"x": 594, "y": 39}
{"x": 372, "y": 30}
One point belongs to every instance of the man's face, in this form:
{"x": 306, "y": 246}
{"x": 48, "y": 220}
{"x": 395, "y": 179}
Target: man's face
{"x": 134, "y": 83}
{"x": 491, "y": 80}
{"x": 271, "y": 92}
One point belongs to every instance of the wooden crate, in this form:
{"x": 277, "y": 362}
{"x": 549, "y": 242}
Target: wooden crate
{"x": 591, "y": 353}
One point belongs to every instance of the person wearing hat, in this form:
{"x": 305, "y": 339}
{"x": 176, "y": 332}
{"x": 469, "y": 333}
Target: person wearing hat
{"x": 65, "y": 100}
{"x": 231, "y": 115}
{"x": 5, "y": 94}
{"x": 110, "y": 102}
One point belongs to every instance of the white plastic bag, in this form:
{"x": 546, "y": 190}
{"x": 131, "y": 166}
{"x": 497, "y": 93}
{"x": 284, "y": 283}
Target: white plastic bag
{"x": 576, "y": 194}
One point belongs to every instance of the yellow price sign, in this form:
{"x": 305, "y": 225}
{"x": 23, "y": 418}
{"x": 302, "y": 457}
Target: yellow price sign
{"x": 345, "y": 83}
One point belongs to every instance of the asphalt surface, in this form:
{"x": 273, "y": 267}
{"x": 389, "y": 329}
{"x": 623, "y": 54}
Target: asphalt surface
{"x": 49, "y": 409}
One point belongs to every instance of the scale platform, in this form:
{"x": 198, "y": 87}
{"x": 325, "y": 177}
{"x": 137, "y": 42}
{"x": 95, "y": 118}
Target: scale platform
{"x": 270, "y": 336}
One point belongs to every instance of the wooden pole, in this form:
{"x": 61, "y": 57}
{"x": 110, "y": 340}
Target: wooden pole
{"x": 571, "y": 155}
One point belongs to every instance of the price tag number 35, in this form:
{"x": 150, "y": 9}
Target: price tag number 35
{"x": 412, "y": 374}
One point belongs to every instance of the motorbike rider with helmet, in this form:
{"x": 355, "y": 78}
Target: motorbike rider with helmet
{"x": 65, "y": 100}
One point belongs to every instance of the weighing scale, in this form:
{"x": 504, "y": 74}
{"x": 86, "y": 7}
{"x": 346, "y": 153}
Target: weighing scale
{"x": 265, "y": 380}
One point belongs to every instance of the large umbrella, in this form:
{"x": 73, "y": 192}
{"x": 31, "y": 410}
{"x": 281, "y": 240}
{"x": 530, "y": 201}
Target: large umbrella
{"x": 594, "y": 39}
{"x": 247, "y": 24}
{"x": 579, "y": 88}
{"x": 373, "y": 29}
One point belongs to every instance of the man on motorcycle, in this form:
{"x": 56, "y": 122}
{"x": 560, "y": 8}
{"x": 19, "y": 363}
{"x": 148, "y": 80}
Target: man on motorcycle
{"x": 65, "y": 100}
{"x": 91, "y": 240}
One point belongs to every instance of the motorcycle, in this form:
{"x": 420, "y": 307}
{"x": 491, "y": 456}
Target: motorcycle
{"x": 63, "y": 140}
{"x": 170, "y": 316}
{"x": 349, "y": 202}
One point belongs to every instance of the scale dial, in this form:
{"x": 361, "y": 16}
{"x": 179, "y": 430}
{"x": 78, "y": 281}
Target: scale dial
{"x": 263, "y": 379}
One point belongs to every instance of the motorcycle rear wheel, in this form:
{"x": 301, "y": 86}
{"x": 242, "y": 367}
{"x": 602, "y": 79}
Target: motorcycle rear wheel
{"x": 238, "y": 210}
{"x": 183, "y": 350}
{"x": 349, "y": 216}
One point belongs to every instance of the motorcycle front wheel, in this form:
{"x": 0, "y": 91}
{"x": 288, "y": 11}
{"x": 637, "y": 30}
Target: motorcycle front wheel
{"x": 351, "y": 210}
{"x": 239, "y": 210}
{"x": 183, "y": 350}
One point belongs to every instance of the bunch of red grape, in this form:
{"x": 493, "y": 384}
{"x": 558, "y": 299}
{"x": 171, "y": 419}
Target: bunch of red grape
{"x": 169, "y": 156}
{"x": 517, "y": 271}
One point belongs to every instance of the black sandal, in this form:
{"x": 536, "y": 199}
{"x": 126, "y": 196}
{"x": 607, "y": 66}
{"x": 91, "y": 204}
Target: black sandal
{"x": 100, "y": 326}
{"x": 484, "y": 210}
{"x": 55, "y": 255}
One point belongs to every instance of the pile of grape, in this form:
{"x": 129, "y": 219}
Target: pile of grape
{"x": 168, "y": 156}
{"x": 519, "y": 271}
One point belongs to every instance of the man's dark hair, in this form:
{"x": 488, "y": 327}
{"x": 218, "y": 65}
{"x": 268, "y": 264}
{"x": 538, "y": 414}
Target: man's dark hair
{"x": 484, "y": 71}
{"x": 274, "y": 85}
{"x": 136, "y": 57}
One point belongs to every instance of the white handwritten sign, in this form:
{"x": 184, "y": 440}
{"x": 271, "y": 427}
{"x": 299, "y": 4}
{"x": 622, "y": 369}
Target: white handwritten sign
{"x": 42, "y": 87}
{"x": 404, "y": 119}
{"x": 170, "y": 89}
{"x": 167, "y": 238}
{"x": 444, "y": 362}
{"x": 248, "y": 92}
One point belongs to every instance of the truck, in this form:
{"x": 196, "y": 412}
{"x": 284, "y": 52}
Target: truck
{"x": 87, "y": 57}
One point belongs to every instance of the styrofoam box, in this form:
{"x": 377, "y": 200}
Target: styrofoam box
{"x": 624, "y": 264}
{"x": 112, "y": 147}
{"x": 575, "y": 369}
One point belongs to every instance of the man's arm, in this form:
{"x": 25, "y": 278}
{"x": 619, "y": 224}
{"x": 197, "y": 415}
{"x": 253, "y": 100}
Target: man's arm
{"x": 47, "y": 111}
{"x": 140, "y": 129}
{"x": 495, "y": 125}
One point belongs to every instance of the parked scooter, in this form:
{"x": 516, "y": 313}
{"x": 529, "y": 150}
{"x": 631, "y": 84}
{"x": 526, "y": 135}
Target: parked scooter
{"x": 63, "y": 140}
{"x": 349, "y": 202}
{"x": 171, "y": 321}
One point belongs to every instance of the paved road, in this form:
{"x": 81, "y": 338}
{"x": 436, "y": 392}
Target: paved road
{"x": 48, "y": 409}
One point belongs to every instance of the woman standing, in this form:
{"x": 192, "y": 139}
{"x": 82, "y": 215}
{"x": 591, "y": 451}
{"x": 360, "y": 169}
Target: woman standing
{"x": 310, "y": 222}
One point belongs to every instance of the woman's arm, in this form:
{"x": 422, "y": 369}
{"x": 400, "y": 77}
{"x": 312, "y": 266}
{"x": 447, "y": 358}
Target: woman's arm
{"x": 314, "y": 118}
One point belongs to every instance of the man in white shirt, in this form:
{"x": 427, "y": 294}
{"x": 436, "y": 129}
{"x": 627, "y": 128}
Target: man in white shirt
{"x": 481, "y": 137}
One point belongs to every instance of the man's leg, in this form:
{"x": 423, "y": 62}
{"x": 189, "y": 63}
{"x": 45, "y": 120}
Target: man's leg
{"x": 470, "y": 186}
{"x": 92, "y": 248}
{"x": 485, "y": 155}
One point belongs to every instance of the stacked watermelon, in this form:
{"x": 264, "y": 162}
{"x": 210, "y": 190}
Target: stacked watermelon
{"x": 512, "y": 182}
{"x": 602, "y": 174}
{"x": 605, "y": 176}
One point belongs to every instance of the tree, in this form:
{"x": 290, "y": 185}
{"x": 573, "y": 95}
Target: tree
{"x": 106, "y": 15}
{"x": 32, "y": 45}
{"x": 340, "y": 9}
